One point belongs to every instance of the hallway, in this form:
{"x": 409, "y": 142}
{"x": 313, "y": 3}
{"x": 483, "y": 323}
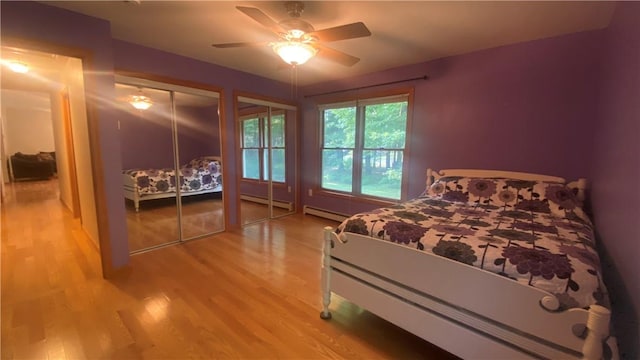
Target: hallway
{"x": 47, "y": 264}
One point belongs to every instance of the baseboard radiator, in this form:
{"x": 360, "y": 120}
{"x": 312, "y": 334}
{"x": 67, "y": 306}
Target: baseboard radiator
{"x": 308, "y": 210}
{"x": 281, "y": 204}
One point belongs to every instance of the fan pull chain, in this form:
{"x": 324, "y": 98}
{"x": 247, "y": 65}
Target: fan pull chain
{"x": 294, "y": 81}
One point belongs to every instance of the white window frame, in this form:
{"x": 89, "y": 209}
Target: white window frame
{"x": 264, "y": 143}
{"x": 358, "y": 147}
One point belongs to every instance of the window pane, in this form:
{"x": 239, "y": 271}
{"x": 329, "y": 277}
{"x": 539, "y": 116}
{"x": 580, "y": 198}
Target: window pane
{"x": 382, "y": 173}
{"x": 250, "y": 133}
{"x": 385, "y": 126}
{"x": 250, "y": 164}
{"x": 337, "y": 166}
{"x": 278, "y": 166}
{"x": 277, "y": 131}
{"x": 339, "y": 128}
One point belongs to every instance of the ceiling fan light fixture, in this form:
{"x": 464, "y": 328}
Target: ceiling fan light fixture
{"x": 294, "y": 53}
{"x": 296, "y": 33}
{"x": 140, "y": 102}
{"x": 18, "y": 67}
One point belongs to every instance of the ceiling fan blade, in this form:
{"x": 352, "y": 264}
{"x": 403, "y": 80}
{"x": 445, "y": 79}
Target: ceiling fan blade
{"x": 262, "y": 18}
{"x": 240, "y": 44}
{"x": 336, "y": 56}
{"x": 343, "y": 32}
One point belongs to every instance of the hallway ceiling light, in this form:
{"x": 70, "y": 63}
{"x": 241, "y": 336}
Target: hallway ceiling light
{"x": 18, "y": 67}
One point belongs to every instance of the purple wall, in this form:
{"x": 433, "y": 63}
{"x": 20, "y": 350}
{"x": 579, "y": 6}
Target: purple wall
{"x": 147, "y": 140}
{"x": 139, "y": 59}
{"x": 198, "y": 132}
{"x": 616, "y": 170}
{"x": 81, "y": 35}
{"x": 525, "y": 107}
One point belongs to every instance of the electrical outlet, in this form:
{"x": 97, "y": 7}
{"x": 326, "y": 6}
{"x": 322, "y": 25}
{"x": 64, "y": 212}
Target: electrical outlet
{"x": 310, "y": 192}
{"x": 289, "y": 189}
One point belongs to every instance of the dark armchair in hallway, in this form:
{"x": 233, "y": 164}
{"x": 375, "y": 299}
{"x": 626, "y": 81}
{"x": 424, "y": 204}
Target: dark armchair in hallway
{"x": 33, "y": 166}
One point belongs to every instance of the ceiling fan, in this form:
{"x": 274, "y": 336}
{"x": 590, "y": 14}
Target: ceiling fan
{"x": 298, "y": 40}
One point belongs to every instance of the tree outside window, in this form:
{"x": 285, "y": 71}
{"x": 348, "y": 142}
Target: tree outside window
{"x": 363, "y": 147}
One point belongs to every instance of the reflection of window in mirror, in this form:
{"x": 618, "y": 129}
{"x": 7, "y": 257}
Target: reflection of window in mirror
{"x": 266, "y": 153}
{"x": 259, "y": 132}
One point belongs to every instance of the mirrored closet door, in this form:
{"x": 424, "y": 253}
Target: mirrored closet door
{"x": 172, "y": 165}
{"x": 200, "y": 164}
{"x": 268, "y": 159}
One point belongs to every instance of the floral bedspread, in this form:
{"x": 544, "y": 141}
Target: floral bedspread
{"x": 197, "y": 175}
{"x": 532, "y": 232}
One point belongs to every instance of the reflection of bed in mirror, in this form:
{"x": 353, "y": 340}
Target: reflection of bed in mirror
{"x": 201, "y": 175}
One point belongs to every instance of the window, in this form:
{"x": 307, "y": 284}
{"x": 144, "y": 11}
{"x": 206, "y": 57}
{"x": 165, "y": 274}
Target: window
{"x": 257, "y": 137}
{"x": 363, "y": 146}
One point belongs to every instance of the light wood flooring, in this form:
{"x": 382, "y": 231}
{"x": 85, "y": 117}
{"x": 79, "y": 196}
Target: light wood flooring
{"x": 156, "y": 221}
{"x": 251, "y": 212}
{"x": 249, "y": 294}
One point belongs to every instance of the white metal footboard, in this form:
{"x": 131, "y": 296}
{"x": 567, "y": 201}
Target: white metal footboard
{"x": 444, "y": 301}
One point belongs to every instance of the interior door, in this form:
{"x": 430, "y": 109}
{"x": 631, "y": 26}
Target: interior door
{"x": 268, "y": 160}
{"x": 148, "y": 160}
{"x": 281, "y": 161}
{"x": 200, "y": 164}
{"x": 253, "y": 192}
{"x": 172, "y": 163}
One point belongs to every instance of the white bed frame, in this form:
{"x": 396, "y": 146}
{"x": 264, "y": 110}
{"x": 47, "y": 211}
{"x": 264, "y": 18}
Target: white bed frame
{"x": 131, "y": 192}
{"x": 460, "y": 314}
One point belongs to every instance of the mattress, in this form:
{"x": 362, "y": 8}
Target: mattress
{"x": 197, "y": 175}
{"x": 534, "y": 233}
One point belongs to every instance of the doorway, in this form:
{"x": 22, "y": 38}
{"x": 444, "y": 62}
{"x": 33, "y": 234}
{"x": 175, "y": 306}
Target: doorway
{"x": 49, "y": 95}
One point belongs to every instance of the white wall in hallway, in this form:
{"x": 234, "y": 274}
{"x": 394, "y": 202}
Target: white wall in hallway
{"x": 74, "y": 79}
{"x": 28, "y": 126}
{"x": 62, "y": 153}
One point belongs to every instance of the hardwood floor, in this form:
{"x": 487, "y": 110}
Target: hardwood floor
{"x": 156, "y": 222}
{"x": 253, "y": 293}
{"x": 251, "y": 212}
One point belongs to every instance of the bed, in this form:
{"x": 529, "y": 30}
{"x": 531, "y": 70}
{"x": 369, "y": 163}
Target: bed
{"x": 201, "y": 175}
{"x": 484, "y": 264}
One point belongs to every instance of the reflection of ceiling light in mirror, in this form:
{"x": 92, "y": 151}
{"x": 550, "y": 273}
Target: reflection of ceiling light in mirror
{"x": 294, "y": 52}
{"x": 18, "y": 67}
{"x": 140, "y": 102}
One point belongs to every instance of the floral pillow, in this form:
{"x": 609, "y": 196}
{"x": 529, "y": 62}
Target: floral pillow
{"x": 524, "y": 195}
{"x": 209, "y": 164}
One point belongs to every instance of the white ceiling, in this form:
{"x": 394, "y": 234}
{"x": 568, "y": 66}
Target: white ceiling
{"x": 403, "y": 33}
